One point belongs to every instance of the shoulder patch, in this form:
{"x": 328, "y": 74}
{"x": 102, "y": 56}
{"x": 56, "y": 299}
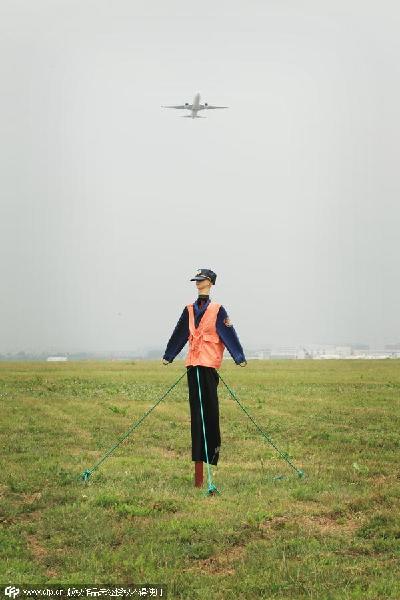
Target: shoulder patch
{"x": 228, "y": 322}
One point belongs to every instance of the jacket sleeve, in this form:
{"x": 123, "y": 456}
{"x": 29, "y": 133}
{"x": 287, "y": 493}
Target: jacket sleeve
{"x": 179, "y": 337}
{"x": 229, "y": 336}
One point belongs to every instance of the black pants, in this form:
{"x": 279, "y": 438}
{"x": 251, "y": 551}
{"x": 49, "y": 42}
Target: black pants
{"x": 209, "y": 380}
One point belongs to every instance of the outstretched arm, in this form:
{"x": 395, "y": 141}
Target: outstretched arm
{"x": 178, "y": 338}
{"x": 229, "y": 337}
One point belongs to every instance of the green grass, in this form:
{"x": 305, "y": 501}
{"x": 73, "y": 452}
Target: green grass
{"x": 333, "y": 535}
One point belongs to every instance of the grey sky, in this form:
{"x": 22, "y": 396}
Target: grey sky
{"x": 109, "y": 203}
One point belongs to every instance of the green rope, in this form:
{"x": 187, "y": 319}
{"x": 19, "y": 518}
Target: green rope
{"x": 283, "y": 455}
{"x": 211, "y": 487}
{"x": 87, "y": 472}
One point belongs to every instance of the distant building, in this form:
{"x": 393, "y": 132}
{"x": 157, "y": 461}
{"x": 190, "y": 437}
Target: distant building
{"x": 343, "y": 351}
{"x": 393, "y": 350}
{"x": 331, "y": 351}
{"x": 283, "y": 353}
{"x": 360, "y": 348}
{"x": 56, "y": 358}
{"x": 302, "y": 353}
{"x": 259, "y": 354}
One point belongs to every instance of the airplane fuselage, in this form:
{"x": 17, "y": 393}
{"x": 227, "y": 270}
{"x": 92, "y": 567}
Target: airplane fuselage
{"x": 196, "y": 106}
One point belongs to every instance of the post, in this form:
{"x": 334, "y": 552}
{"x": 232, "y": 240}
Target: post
{"x": 198, "y": 473}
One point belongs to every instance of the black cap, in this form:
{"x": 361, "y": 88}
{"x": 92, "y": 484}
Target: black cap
{"x": 205, "y": 274}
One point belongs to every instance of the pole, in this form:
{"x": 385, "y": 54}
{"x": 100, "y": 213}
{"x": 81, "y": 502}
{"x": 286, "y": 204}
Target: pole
{"x": 198, "y": 473}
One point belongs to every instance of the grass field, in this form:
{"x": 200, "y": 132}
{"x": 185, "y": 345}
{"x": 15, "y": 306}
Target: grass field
{"x": 333, "y": 535}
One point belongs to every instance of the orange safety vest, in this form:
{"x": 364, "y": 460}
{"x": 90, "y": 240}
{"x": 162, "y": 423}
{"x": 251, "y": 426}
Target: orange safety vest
{"x": 205, "y": 345}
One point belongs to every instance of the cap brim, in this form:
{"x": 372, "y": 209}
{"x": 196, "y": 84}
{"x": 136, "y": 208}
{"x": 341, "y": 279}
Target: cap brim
{"x": 199, "y": 278}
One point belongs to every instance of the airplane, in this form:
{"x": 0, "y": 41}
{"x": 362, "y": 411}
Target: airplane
{"x": 195, "y": 107}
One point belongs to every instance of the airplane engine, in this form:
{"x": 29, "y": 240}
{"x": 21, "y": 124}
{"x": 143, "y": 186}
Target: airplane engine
{"x": 186, "y": 103}
{"x": 205, "y": 105}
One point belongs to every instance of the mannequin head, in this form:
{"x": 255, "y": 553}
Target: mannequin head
{"x": 204, "y": 279}
{"x": 203, "y": 287}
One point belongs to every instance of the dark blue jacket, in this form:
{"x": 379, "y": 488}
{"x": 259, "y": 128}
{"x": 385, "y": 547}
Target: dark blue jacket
{"x": 225, "y": 331}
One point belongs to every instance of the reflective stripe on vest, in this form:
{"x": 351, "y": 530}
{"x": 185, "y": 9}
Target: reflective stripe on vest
{"x": 205, "y": 345}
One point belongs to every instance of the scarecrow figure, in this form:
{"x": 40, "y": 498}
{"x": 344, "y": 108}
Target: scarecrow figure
{"x": 207, "y": 327}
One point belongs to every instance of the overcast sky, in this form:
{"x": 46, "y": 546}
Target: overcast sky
{"x": 110, "y": 203}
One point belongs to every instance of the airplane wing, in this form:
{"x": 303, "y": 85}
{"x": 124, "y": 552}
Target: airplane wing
{"x": 181, "y": 107}
{"x": 208, "y": 107}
